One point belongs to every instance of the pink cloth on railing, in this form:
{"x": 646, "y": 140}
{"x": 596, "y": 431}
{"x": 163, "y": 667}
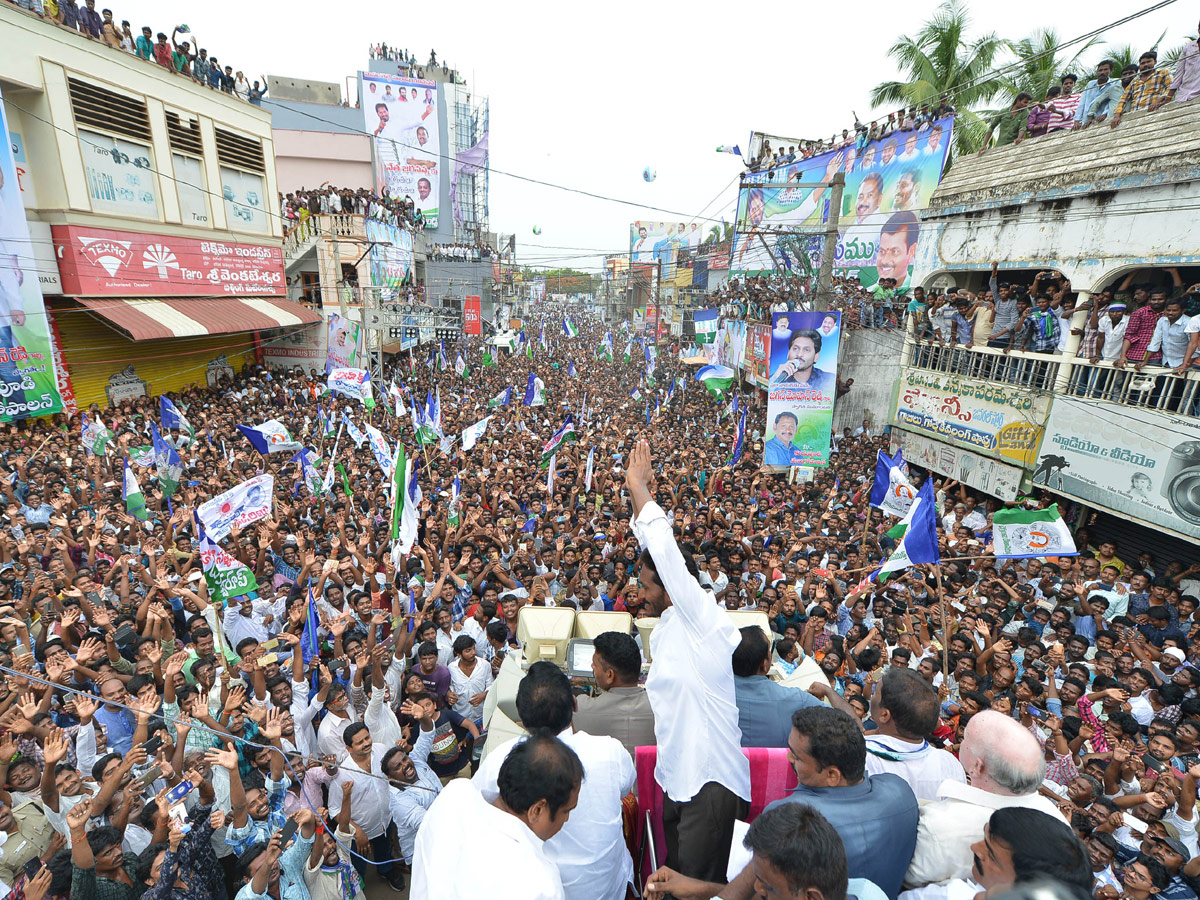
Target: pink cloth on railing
{"x": 771, "y": 777}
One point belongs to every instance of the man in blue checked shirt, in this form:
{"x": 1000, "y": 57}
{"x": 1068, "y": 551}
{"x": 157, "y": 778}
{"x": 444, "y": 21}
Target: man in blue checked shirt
{"x": 257, "y": 812}
{"x": 269, "y": 870}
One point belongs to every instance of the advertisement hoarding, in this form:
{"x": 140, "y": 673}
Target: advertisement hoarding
{"x": 472, "y": 316}
{"x": 886, "y": 185}
{"x": 664, "y": 242}
{"x": 391, "y": 257}
{"x": 28, "y": 380}
{"x": 803, "y": 367}
{"x": 758, "y": 353}
{"x": 988, "y": 475}
{"x": 304, "y": 347}
{"x": 1138, "y": 463}
{"x": 100, "y": 261}
{"x": 995, "y": 420}
{"x": 402, "y": 115}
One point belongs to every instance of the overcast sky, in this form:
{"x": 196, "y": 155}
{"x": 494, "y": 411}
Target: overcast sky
{"x": 586, "y": 99}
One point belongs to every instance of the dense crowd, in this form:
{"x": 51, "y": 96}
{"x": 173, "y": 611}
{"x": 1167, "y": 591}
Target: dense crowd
{"x": 184, "y": 56}
{"x": 408, "y": 62}
{"x": 297, "y": 206}
{"x": 1105, "y": 98}
{"x": 461, "y": 252}
{"x": 161, "y": 740}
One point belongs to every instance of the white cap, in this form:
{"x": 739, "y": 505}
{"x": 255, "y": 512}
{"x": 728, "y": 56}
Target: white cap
{"x": 1175, "y": 652}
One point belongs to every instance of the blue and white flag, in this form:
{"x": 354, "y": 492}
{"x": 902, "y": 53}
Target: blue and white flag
{"x": 172, "y": 418}
{"x": 269, "y": 437}
{"x": 892, "y": 493}
{"x": 550, "y": 474}
{"x": 535, "y": 391}
{"x": 472, "y": 433}
{"x": 739, "y": 441}
{"x": 501, "y": 399}
{"x": 309, "y": 475}
{"x": 166, "y": 460}
{"x": 353, "y": 430}
{"x": 919, "y": 542}
{"x": 571, "y": 369}
{"x": 379, "y": 446}
{"x": 705, "y": 321}
{"x": 587, "y": 476}
{"x": 353, "y": 383}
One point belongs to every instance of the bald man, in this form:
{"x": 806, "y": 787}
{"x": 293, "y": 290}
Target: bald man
{"x": 1005, "y": 767}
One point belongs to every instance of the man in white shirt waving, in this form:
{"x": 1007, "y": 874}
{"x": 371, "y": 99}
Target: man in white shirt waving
{"x": 700, "y": 767}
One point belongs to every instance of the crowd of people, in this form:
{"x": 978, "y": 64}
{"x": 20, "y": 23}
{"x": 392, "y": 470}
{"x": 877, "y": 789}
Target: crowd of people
{"x": 461, "y": 252}
{"x": 992, "y": 724}
{"x": 297, "y": 206}
{"x": 408, "y": 61}
{"x": 183, "y": 56}
{"x": 1146, "y": 86}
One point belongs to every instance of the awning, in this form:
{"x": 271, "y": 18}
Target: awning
{"x": 149, "y": 319}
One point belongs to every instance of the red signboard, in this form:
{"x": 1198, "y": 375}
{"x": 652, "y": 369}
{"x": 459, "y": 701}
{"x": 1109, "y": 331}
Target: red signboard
{"x": 98, "y": 262}
{"x": 472, "y": 323}
{"x": 652, "y": 321}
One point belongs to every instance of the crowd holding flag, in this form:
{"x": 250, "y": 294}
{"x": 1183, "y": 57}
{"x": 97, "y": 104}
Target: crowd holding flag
{"x": 565, "y": 434}
{"x": 96, "y": 435}
{"x": 460, "y": 367}
{"x": 1030, "y": 533}
{"x": 501, "y": 399}
{"x": 535, "y": 391}
{"x": 917, "y": 534}
{"x": 173, "y": 419}
{"x": 892, "y": 493}
{"x": 569, "y": 328}
{"x": 270, "y": 437}
{"x": 716, "y": 379}
{"x": 168, "y": 463}
{"x": 135, "y": 501}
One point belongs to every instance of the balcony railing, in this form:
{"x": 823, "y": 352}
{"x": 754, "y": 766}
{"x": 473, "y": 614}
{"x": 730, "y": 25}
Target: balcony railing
{"x": 1154, "y": 387}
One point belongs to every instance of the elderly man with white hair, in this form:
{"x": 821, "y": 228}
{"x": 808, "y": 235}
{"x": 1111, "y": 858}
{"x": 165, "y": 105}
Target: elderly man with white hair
{"x": 1004, "y": 767}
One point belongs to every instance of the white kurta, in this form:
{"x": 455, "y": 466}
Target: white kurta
{"x": 444, "y": 865}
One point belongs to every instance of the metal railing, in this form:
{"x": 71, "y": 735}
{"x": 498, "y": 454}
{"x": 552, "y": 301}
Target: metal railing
{"x": 1153, "y": 387}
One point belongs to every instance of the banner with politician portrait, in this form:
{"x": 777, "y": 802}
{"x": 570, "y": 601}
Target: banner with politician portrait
{"x": 803, "y": 385}
{"x": 668, "y": 243}
{"x": 28, "y": 382}
{"x": 888, "y": 182}
{"x": 402, "y": 116}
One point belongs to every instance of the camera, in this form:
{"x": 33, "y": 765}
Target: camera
{"x": 1181, "y": 481}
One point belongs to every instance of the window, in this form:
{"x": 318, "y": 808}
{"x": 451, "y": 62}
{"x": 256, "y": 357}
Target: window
{"x": 120, "y": 175}
{"x": 245, "y": 200}
{"x": 193, "y": 197}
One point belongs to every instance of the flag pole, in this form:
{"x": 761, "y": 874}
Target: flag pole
{"x": 937, "y": 570}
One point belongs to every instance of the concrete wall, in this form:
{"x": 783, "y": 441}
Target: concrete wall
{"x": 309, "y": 158}
{"x": 284, "y": 87}
{"x": 871, "y": 356}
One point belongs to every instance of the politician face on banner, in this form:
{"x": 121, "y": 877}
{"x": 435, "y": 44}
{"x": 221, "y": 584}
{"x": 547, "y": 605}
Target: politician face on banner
{"x": 803, "y": 384}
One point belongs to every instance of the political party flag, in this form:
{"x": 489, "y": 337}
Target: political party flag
{"x": 501, "y": 399}
{"x": 571, "y": 373}
{"x": 726, "y": 148}
{"x": 379, "y": 446}
{"x": 657, "y": 407}
{"x": 325, "y": 422}
{"x": 472, "y": 433}
{"x": 1025, "y": 533}
{"x": 564, "y": 434}
{"x": 96, "y": 435}
{"x": 636, "y": 394}
{"x": 399, "y": 474}
{"x": 647, "y": 412}
{"x": 433, "y": 410}
{"x": 587, "y": 475}
{"x": 716, "y": 379}
{"x": 240, "y": 506}
{"x": 608, "y": 347}
{"x": 170, "y": 467}
{"x": 670, "y": 390}
{"x": 918, "y": 543}
{"x": 628, "y": 354}
{"x": 310, "y": 642}
{"x": 705, "y": 321}
{"x": 142, "y": 457}
{"x": 171, "y": 417}
{"x": 353, "y": 383}
{"x": 135, "y": 503}
{"x": 225, "y": 576}
{"x": 535, "y": 391}
{"x": 738, "y": 441}
{"x": 345, "y": 479}
{"x": 892, "y": 493}
{"x": 460, "y": 367}
{"x": 441, "y": 356}
{"x": 550, "y": 474}
{"x": 424, "y": 430}
{"x": 308, "y": 472}
{"x": 452, "y": 518}
{"x": 569, "y": 328}
{"x": 397, "y": 398}
{"x": 353, "y": 430}
{"x": 530, "y": 525}
{"x": 487, "y": 357}
{"x": 529, "y": 349}
{"x": 269, "y": 437}
{"x": 406, "y": 536}
{"x": 542, "y": 337}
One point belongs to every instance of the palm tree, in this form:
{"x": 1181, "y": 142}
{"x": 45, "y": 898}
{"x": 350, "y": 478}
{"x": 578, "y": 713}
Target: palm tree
{"x": 938, "y": 60}
{"x": 1038, "y": 67}
{"x": 1124, "y": 55}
